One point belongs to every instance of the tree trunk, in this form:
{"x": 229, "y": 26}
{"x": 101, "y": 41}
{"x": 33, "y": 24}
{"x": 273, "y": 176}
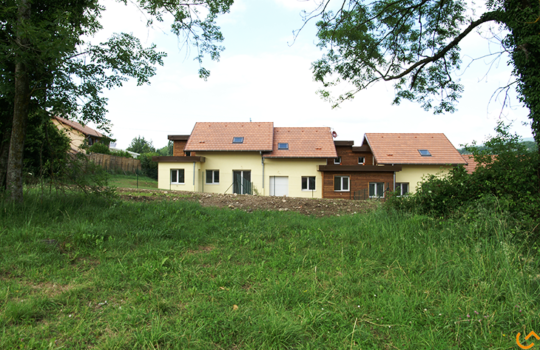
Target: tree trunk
{"x": 20, "y": 112}
{"x": 4, "y": 153}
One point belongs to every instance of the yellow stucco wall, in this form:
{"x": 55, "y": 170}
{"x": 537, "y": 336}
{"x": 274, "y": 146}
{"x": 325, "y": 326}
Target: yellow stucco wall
{"x": 294, "y": 169}
{"x": 413, "y": 174}
{"x": 164, "y": 176}
{"x": 227, "y": 162}
{"x": 77, "y": 138}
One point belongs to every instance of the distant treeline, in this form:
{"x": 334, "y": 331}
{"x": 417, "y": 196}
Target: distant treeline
{"x": 531, "y": 146}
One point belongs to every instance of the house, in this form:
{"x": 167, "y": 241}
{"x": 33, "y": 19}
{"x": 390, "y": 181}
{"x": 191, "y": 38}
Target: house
{"x": 247, "y": 158}
{"x": 77, "y": 132}
{"x": 393, "y": 161}
{"x": 258, "y": 158}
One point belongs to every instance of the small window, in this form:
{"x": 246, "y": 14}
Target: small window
{"x": 238, "y": 140}
{"x": 308, "y": 183}
{"x": 362, "y": 160}
{"x": 402, "y": 189}
{"x": 188, "y": 154}
{"x": 376, "y": 189}
{"x": 424, "y": 153}
{"x": 177, "y": 176}
{"x": 212, "y": 176}
{"x": 337, "y": 160}
{"x": 341, "y": 183}
{"x": 282, "y": 146}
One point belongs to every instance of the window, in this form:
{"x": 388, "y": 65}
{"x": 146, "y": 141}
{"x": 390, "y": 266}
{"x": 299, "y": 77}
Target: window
{"x": 177, "y": 176}
{"x": 238, "y": 140}
{"x": 212, "y": 176}
{"x": 402, "y": 188}
{"x": 337, "y": 160}
{"x": 341, "y": 183}
{"x": 424, "y": 153}
{"x": 376, "y": 189}
{"x": 362, "y": 160}
{"x": 282, "y": 146}
{"x": 188, "y": 154}
{"x": 308, "y": 183}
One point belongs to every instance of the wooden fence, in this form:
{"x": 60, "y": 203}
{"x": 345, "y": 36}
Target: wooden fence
{"x": 114, "y": 163}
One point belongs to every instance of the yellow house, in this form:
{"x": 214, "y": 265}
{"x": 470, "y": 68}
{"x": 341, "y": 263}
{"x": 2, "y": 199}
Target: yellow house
{"x": 77, "y": 133}
{"x": 418, "y": 154}
{"x": 247, "y": 158}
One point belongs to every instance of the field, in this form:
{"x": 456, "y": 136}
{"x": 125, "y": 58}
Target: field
{"x": 130, "y": 181}
{"x": 82, "y": 272}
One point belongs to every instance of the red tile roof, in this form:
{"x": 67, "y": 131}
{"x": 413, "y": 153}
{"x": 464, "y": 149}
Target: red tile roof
{"x": 84, "y": 129}
{"x": 303, "y": 143}
{"x": 219, "y": 137}
{"x": 471, "y": 163}
{"x": 403, "y": 148}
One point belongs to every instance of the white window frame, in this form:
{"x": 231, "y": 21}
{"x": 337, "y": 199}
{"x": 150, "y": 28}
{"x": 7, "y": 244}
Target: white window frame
{"x": 341, "y": 183}
{"x": 308, "y": 182}
{"x": 363, "y": 162}
{"x": 178, "y": 177}
{"x": 337, "y": 160}
{"x": 376, "y": 194}
{"x": 401, "y": 188}
{"x": 213, "y": 177}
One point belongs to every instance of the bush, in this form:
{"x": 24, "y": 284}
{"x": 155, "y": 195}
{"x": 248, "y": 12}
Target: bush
{"x": 148, "y": 166}
{"x": 100, "y": 148}
{"x": 506, "y": 179}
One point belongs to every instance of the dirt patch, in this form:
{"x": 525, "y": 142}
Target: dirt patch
{"x": 307, "y": 206}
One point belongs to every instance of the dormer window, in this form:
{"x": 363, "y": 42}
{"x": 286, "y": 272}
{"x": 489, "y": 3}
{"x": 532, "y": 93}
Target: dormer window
{"x": 424, "y": 153}
{"x": 282, "y": 146}
{"x": 238, "y": 140}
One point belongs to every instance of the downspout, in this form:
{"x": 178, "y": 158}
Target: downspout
{"x": 394, "y": 179}
{"x": 262, "y": 162}
{"x": 194, "y": 190}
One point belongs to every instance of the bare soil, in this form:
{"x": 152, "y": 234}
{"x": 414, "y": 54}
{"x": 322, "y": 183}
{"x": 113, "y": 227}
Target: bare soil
{"x": 307, "y": 206}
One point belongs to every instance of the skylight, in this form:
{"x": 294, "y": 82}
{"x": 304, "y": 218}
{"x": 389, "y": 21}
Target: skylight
{"x": 424, "y": 153}
{"x": 238, "y": 140}
{"x": 282, "y": 146}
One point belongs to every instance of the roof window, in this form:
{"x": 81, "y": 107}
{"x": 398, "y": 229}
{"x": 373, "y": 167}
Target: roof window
{"x": 238, "y": 140}
{"x": 282, "y": 146}
{"x": 424, "y": 153}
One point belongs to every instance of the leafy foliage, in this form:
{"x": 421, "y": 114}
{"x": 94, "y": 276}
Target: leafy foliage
{"x": 140, "y": 145}
{"x": 415, "y": 43}
{"x": 167, "y": 150}
{"x": 505, "y": 178}
{"x": 148, "y": 166}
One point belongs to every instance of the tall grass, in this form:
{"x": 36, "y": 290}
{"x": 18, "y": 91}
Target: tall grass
{"x": 80, "y": 271}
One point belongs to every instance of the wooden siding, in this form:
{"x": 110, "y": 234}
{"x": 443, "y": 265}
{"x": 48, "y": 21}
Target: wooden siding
{"x": 178, "y": 148}
{"x": 359, "y": 181}
{"x": 348, "y": 157}
{"x": 113, "y": 163}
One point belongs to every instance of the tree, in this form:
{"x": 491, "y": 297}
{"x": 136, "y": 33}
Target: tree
{"x": 141, "y": 145}
{"x": 415, "y": 43}
{"x": 167, "y": 150}
{"x": 47, "y": 68}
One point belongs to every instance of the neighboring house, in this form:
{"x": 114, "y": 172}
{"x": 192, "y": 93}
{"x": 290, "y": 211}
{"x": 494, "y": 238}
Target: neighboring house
{"x": 417, "y": 154}
{"x": 247, "y": 158}
{"x": 300, "y": 162}
{"x": 471, "y": 163}
{"x": 77, "y": 133}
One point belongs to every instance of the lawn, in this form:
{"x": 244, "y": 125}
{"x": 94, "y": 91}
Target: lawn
{"x": 130, "y": 181}
{"x": 85, "y": 272}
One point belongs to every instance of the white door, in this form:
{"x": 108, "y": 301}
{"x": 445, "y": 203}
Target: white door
{"x": 279, "y": 186}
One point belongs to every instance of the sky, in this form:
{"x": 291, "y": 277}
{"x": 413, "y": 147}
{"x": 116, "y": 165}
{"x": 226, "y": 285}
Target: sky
{"x": 264, "y": 76}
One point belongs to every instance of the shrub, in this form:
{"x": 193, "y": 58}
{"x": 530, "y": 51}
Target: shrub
{"x": 505, "y": 179}
{"x": 99, "y": 147}
{"x": 148, "y": 166}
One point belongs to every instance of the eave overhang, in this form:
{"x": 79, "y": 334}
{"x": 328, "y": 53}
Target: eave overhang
{"x": 361, "y": 168}
{"x": 178, "y": 159}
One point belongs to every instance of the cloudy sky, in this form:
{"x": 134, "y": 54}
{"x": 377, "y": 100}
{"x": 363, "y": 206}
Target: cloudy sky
{"x": 262, "y": 77}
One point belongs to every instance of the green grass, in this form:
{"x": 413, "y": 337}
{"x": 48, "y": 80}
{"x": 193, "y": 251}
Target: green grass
{"x": 130, "y": 181}
{"x": 82, "y": 272}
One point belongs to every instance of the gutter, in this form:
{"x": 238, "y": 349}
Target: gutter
{"x": 262, "y": 162}
{"x": 194, "y": 176}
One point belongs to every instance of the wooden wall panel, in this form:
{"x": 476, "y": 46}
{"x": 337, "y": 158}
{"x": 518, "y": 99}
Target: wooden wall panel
{"x": 359, "y": 182}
